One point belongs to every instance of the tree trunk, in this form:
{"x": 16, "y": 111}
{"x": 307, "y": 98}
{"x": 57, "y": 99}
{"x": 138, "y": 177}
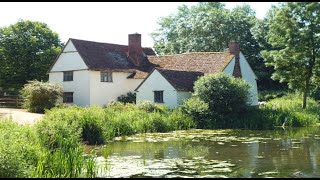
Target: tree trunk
{"x": 307, "y": 85}
{"x": 305, "y": 93}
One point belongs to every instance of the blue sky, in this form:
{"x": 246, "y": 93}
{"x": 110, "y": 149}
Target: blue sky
{"x": 109, "y": 22}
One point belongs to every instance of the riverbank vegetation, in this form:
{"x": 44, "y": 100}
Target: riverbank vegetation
{"x": 23, "y": 154}
{"x": 54, "y": 146}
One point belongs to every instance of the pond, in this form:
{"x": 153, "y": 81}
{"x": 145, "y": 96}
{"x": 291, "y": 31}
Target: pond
{"x": 293, "y": 152}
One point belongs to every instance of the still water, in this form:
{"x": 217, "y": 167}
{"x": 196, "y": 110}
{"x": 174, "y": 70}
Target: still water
{"x": 293, "y": 152}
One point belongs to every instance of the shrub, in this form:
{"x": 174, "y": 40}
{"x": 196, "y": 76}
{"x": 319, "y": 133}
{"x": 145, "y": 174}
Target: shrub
{"x": 149, "y": 106}
{"x": 130, "y": 97}
{"x": 178, "y": 120}
{"x": 218, "y": 98}
{"x": 199, "y": 110}
{"x": 39, "y": 96}
{"x": 223, "y": 93}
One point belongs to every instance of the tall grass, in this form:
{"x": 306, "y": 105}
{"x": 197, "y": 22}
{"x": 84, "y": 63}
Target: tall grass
{"x": 67, "y": 161}
{"x": 24, "y": 154}
{"x": 96, "y": 125}
{"x": 19, "y": 149}
{"x": 290, "y": 108}
{"x": 286, "y": 111}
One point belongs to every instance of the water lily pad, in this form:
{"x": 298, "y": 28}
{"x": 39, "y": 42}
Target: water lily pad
{"x": 268, "y": 173}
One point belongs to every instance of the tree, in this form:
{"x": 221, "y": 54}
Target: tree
{"x": 27, "y": 49}
{"x": 294, "y": 36}
{"x": 208, "y": 26}
{"x": 259, "y": 32}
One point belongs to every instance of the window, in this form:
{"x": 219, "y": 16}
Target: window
{"x": 106, "y": 76}
{"x": 158, "y": 96}
{"x": 68, "y": 76}
{"x": 68, "y": 97}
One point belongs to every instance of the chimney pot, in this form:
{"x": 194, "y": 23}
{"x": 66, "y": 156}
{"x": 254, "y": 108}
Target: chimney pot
{"x": 234, "y": 48}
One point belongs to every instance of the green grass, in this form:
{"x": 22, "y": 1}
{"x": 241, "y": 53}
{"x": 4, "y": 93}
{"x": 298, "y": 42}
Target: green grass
{"x": 286, "y": 110}
{"x": 23, "y": 154}
{"x": 96, "y": 125}
{"x": 290, "y": 107}
{"x": 269, "y": 95}
{"x": 54, "y": 146}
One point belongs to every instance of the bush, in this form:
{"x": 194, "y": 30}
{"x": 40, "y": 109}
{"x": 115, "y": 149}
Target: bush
{"x": 223, "y": 93}
{"x": 128, "y": 98}
{"x": 149, "y": 106}
{"x": 178, "y": 120}
{"x": 217, "y": 98}
{"x": 199, "y": 110}
{"x": 39, "y": 96}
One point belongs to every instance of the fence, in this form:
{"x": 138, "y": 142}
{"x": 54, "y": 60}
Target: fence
{"x": 10, "y": 101}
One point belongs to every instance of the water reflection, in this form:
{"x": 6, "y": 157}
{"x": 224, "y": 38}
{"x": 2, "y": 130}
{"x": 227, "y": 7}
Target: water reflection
{"x": 216, "y": 153}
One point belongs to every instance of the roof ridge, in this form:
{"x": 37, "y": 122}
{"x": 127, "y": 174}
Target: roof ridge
{"x": 103, "y": 42}
{"x": 167, "y": 69}
{"x": 167, "y": 55}
{"x": 97, "y": 42}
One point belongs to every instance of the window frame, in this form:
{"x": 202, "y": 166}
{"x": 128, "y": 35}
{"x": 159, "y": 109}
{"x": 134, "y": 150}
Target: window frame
{"x": 66, "y": 76}
{"x": 157, "y": 96}
{"x": 106, "y": 76}
{"x": 65, "y": 97}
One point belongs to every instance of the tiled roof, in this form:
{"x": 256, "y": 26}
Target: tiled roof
{"x": 180, "y": 80}
{"x": 206, "y": 62}
{"x": 105, "y": 56}
{"x": 114, "y": 57}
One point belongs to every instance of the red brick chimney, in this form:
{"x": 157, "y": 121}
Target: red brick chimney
{"x": 135, "y": 50}
{"x": 234, "y": 48}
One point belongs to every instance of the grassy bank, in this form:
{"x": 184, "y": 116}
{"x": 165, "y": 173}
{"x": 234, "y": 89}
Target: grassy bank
{"x": 54, "y": 146}
{"x": 96, "y": 125}
{"x": 286, "y": 111}
{"x": 23, "y": 155}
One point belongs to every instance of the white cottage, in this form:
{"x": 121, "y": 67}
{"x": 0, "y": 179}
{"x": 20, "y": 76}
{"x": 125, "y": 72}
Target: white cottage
{"x": 98, "y": 73}
{"x": 173, "y": 80}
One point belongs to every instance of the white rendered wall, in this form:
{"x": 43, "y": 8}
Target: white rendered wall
{"x": 156, "y": 82}
{"x": 102, "y": 93}
{"x": 183, "y": 95}
{"x": 69, "y": 59}
{"x": 248, "y": 75}
{"x": 79, "y": 86}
